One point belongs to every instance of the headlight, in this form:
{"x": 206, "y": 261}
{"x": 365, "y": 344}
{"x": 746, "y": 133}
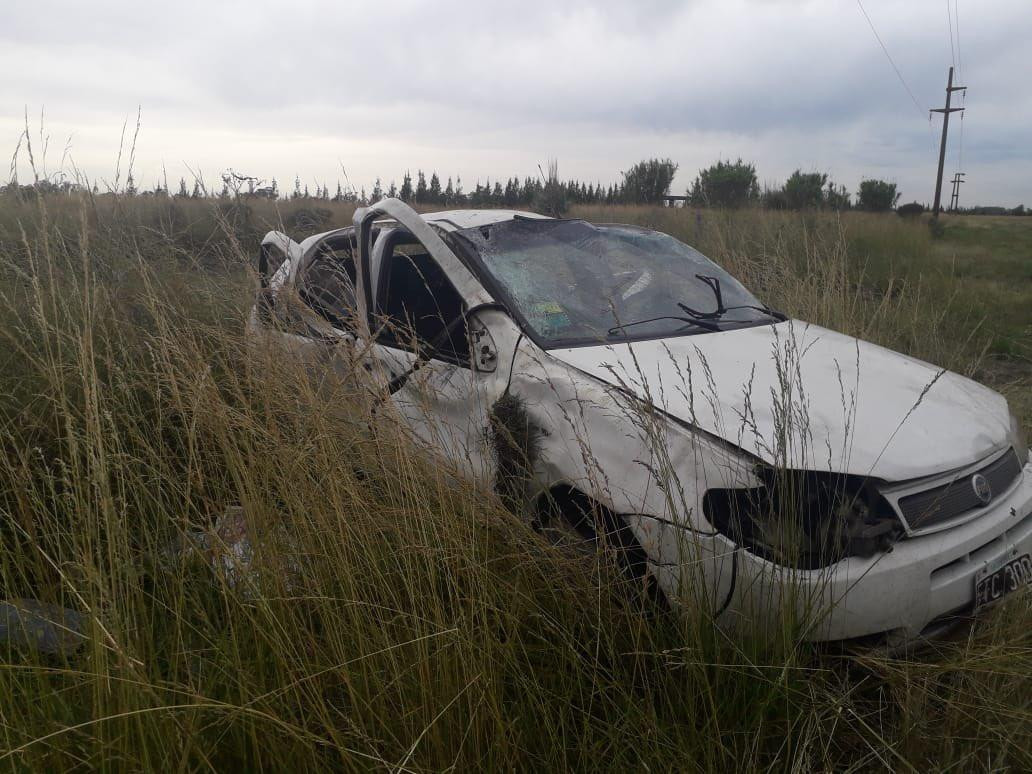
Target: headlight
{"x": 805, "y": 519}
{"x": 1018, "y": 438}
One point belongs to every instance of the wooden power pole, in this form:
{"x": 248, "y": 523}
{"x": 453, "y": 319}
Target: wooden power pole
{"x": 955, "y": 198}
{"x": 950, "y": 88}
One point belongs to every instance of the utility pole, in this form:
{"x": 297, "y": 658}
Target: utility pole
{"x": 956, "y": 190}
{"x": 950, "y": 88}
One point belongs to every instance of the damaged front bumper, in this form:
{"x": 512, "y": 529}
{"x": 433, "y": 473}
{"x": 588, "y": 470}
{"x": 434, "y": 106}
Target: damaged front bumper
{"x": 904, "y": 595}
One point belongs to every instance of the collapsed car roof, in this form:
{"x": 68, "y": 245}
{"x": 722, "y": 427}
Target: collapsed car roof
{"x": 447, "y": 220}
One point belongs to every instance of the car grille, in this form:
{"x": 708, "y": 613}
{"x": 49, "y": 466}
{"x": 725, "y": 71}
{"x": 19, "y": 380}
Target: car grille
{"x": 943, "y": 503}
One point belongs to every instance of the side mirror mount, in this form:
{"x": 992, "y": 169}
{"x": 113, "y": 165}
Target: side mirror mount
{"x": 484, "y": 351}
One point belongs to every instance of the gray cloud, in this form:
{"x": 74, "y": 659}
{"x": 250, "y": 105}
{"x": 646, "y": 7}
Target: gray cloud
{"x": 485, "y": 89}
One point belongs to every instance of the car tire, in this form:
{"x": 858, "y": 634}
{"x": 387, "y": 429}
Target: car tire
{"x": 574, "y": 522}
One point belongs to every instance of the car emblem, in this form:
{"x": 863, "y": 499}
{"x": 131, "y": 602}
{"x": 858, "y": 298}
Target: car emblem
{"x": 983, "y": 490}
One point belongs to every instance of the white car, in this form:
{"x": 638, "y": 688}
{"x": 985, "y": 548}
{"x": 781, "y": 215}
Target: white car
{"x": 616, "y": 380}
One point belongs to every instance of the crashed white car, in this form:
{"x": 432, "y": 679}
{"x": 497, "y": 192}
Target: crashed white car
{"x": 618, "y": 381}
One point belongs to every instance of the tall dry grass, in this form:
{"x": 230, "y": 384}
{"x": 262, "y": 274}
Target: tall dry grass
{"x": 398, "y": 617}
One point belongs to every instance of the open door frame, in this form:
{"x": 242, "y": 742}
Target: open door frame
{"x": 465, "y": 283}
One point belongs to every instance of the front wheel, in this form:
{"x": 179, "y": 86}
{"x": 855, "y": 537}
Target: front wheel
{"x": 574, "y": 522}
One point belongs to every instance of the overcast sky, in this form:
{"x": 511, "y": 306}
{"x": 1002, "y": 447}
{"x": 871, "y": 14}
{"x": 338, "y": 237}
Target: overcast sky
{"x": 486, "y": 90}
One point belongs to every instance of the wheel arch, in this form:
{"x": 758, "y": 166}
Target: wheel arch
{"x": 585, "y": 512}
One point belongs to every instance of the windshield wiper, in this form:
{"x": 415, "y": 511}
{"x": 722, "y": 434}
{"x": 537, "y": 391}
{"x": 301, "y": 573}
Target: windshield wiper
{"x": 714, "y": 284}
{"x": 779, "y": 316}
{"x": 701, "y": 323}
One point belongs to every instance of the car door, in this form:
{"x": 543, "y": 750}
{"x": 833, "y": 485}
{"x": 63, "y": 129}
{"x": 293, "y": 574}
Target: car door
{"x": 442, "y": 354}
{"x": 309, "y": 302}
{"x": 278, "y": 255}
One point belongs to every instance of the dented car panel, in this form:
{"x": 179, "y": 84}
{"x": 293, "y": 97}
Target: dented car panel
{"x": 679, "y": 407}
{"x": 847, "y": 386}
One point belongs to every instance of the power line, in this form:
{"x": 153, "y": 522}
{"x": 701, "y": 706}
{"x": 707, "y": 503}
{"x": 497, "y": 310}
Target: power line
{"x": 953, "y": 59}
{"x": 920, "y": 110}
{"x": 957, "y": 26}
{"x": 963, "y": 94}
{"x": 949, "y": 29}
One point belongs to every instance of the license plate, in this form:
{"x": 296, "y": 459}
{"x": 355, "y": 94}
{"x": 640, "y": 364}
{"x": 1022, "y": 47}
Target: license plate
{"x": 1000, "y": 578}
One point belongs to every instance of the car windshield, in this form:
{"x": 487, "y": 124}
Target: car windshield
{"x": 574, "y": 282}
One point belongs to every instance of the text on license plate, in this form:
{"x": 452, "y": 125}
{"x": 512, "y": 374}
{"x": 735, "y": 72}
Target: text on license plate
{"x": 994, "y": 583}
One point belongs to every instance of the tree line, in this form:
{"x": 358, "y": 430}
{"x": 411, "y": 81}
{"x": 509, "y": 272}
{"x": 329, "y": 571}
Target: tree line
{"x": 724, "y": 184}
{"x": 727, "y": 184}
{"x": 645, "y": 183}
{"x": 734, "y": 184}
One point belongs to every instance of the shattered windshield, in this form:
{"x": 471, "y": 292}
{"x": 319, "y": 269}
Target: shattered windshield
{"x": 575, "y": 283}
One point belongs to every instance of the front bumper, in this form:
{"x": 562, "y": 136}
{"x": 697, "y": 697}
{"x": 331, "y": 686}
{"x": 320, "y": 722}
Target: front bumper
{"x": 902, "y": 594}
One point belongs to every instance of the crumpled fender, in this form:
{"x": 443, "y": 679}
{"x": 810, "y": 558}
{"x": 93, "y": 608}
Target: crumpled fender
{"x": 645, "y": 467}
{"x": 618, "y": 449}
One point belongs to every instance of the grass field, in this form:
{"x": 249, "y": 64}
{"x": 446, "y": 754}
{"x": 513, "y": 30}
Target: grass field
{"x": 400, "y": 619}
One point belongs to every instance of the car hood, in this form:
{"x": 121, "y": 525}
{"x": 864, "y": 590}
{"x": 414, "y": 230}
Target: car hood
{"x": 854, "y": 407}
